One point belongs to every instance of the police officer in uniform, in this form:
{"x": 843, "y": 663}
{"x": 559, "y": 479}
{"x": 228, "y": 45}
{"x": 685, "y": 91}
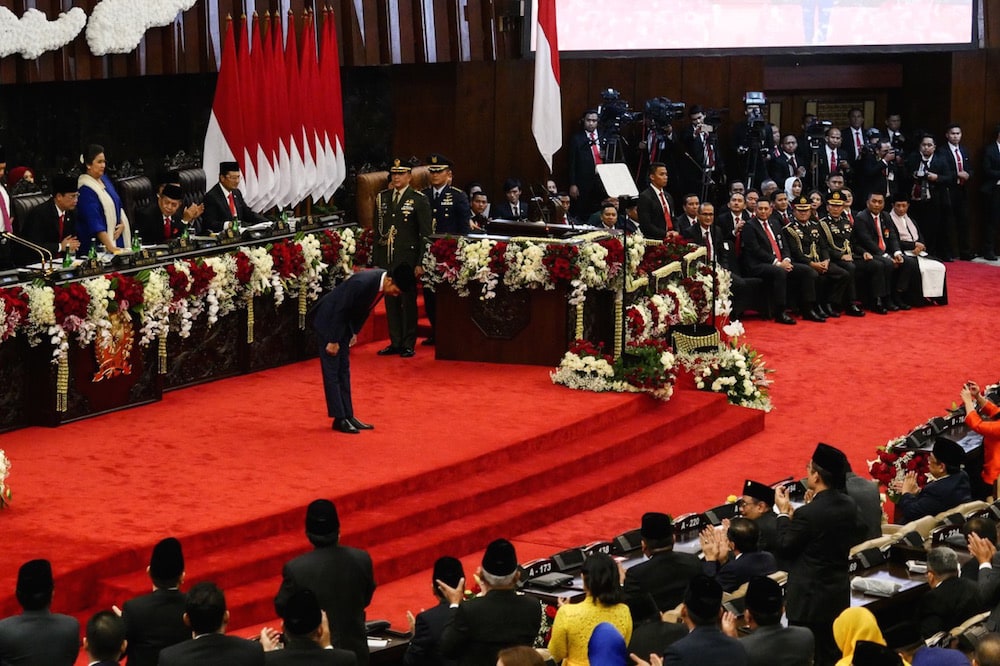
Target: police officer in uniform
{"x": 402, "y": 225}
{"x": 809, "y": 246}
{"x": 450, "y": 214}
{"x": 836, "y": 229}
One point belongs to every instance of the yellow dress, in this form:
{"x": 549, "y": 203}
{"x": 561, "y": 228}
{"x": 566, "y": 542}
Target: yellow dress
{"x": 575, "y": 623}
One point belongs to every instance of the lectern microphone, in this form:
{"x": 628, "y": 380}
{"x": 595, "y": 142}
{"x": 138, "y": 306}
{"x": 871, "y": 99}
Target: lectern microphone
{"x": 42, "y": 252}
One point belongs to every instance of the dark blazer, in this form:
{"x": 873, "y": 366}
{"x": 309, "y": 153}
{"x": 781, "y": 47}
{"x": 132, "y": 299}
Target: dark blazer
{"x": 655, "y": 637}
{"x": 39, "y": 638}
{"x": 152, "y": 622}
{"x": 343, "y": 312}
{"x": 991, "y": 168}
{"x": 947, "y": 152}
{"x": 865, "y": 494}
{"x": 936, "y": 496}
{"x": 683, "y": 225}
{"x": 213, "y": 650}
{"x": 665, "y": 576}
{"x": 823, "y": 163}
{"x": 948, "y": 605}
{"x": 217, "y": 211}
{"x": 41, "y": 227}
{"x": 149, "y": 224}
{"x": 504, "y": 211}
{"x": 582, "y": 170}
{"x": 697, "y": 236}
{"x": 651, "y": 221}
{"x": 864, "y": 238}
{"x": 705, "y": 645}
{"x": 342, "y": 579}
{"x": 304, "y": 652}
{"x": 737, "y": 571}
{"x": 450, "y": 214}
{"x": 938, "y": 165}
{"x": 479, "y": 628}
{"x": 726, "y": 222}
{"x": 425, "y": 646}
{"x": 756, "y": 245}
{"x": 817, "y": 541}
{"x": 775, "y": 645}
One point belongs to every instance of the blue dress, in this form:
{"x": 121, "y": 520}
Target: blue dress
{"x": 90, "y": 216}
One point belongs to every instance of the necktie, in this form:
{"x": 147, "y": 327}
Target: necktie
{"x": 709, "y": 152}
{"x": 833, "y": 161}
{"x": 708, "y": 242}
{"x": 795, "y": 167}
{"x": 395, "y": 198}
{"x": 62, "y": 220}
{"x": 666, "y": 212}
{"x": 857, "y": 142}
{"x": 774, "y": 242}
{"x": 784, "y": 219}
{"x": 232, "y": 204}
{"x": 878, "y": 231}
{"x": 595, "y": 148}
{"x": 958, "y": 159}
{"x": 5, "y": 214}
{"x": 516, "y": 210}
{"x": 167, "y": 228}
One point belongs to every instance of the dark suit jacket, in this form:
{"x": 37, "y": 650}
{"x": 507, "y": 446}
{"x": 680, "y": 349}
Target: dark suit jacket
{"x": 504, "y": 211}
{"x": 450, "y": 214}
{"x": 781, "y": 169}
{"x": 213, "y": 650}
{"x": 726, "y": 222}
{"x": 152, "y": 622}
{"x": 775, "y": 645}
{"x": 479, "y": 628}
{"x": 149, "y": 224}
{"x": 705, "y": 645}
{"x": 864, "y": 238}
{"x": 655, "y": 637}
{"x": 991, "y": 168}
{"x": 935, "y": 497}
{"x": 217, "y": 211}
{"x": 344, "y": 311}
{"x": 41, "y": 227}
{"x": 342, "y": 579}
{"x": 582, "y": 170}
{"x": 816, "y": 541}
{"x": 947, "y": 152}
{"x": 425, "y": 646}
{"x": 823, "y": 164}
{"x": 938, "y": 164}
{"x": 39, "y": 638}
{"x": 697, "y": 236}
{"x": 651, "y": 221}
{"x": 756, "y": 249}
{"x": 304, "y": 652}
{"x": 737, "y": 571}
{"x": 948, "y": 605}
{"x": 665, "y": 576}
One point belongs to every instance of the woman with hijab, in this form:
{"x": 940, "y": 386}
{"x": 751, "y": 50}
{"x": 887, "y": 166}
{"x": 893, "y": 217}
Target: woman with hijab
{"x": 853, "y": 625}
{"x": 99, "y": 210}
{"x": 607, "y": 647}
{"x": 793, "y": 187}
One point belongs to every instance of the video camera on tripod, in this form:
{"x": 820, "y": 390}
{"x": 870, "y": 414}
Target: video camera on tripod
{"x": 816, "y": 133}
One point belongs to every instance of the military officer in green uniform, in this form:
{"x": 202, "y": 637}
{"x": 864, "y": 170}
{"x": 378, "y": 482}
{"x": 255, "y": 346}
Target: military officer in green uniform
{"x": 450, "y": 214}
{"x": 837, "y": 229}
{"x": 402, "y": 225}
{"x": 808, "y": 246}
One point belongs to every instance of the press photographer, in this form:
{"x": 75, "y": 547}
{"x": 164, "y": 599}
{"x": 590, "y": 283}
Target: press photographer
{"x": 703, "y": 167}
{"x": 754, "y": 140}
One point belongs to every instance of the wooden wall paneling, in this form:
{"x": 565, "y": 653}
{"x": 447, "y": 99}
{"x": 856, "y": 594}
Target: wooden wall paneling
{"x": 410, "y": 38}
{"x": 195, "y": 51}
{"x": 927, "y": 78}
{"x": 968, "y": 87}
{"x": 516, "y": 152}
{"x": 374, "y": 32}
{"x": 423, "y": 37}
{"x": 422, "y": 103}
{"x": 444, "y": 35}
{"x": 475, "y": 17}
{"x": 991, "y": 21}
{"x": 352, "y": 50}
{"x": 475, "y": 119}
{"x": 658, "y": 77}
{"x": 381, "y": 19}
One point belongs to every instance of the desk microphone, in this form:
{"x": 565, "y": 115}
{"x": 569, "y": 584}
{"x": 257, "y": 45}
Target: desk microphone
{"x": 42, "y": 252}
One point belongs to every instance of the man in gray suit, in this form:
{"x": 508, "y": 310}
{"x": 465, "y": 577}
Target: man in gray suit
{"x": 38, "y": 636}
{"x": 770, "y": 644}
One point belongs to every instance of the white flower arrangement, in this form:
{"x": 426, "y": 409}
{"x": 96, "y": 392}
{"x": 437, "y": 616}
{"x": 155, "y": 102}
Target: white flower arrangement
{"x": 5, "y": 466}
{"x": 221, "y": 294}
{"x": 348, "y": 248}
{"x": 586, "y": 373}
{"x": 263, "y": 266}
{"x": 97, "y": 324}
{"x": 475, "y": 256}
{"x": 157, "y": 296}
{"x": 525, "y": 269}
{"x": 117, "y": 26}
{"x": 33, "y": 34}
{"x": 737, "y": 371}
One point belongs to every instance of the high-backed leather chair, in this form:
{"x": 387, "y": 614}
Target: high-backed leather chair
{"x": 370, "y": 184}
{"x": 21, "y": 205}
{"x": 192, "y": 183}
{"x": 136, "y": 192}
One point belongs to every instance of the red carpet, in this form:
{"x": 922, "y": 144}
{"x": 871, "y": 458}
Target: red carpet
{"x": 234, "y": 462}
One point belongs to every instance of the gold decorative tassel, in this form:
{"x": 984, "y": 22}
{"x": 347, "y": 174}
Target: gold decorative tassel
{"x": 249, "y": 318}
{"x": 579, "y": 321}
{"x": 618, "y": 326}
{"x": 161, "y": 353}
{"x": 302, "y": 305}
{"x": 62, "y": 383}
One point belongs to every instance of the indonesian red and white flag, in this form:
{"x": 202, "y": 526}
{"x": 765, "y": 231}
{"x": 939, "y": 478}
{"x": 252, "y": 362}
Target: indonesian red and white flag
{"x": 333, "y": 104}
{"x": 298, "y": 154}
{"x": 546, "y": 110}
{"x": 248, "y": 160}
{"x": 224, "y": 137}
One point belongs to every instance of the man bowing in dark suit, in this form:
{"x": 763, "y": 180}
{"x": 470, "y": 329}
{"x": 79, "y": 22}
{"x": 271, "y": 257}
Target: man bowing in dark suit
{"x": 156, "y": 620}
{"x": 339, "y": 317}
{"x": 51, "y": 223}
{"x": 224, "y": 202}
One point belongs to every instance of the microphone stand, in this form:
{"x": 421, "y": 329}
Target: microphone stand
{"x": 42, "y": 252}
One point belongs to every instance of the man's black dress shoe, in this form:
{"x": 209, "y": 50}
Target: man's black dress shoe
{"x": 878, "y": 308}
{"x": 428, "y": 342}
{"x": 408, "y": 353}
{"x": 967, "y": 256}
{"x": 828, "y": 310}
{"x": 388, "y": 351}
{"x": 783, "y": 318}
{"x": 812, "y": 315}
{"x": 889, "y": 305}
{"x": 360, "y": 425}
{"x": 345, "y": 425}
{"x": 900, "y": 303}
{"x": 854, "y": 311}
{"x": 990, "y": 257}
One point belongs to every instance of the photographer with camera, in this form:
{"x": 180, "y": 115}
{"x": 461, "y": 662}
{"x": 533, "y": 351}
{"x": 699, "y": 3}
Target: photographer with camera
{"x": 703, "y": 164}
{"x": 878, "y": 173}
{"x": 754, "y": 140}
{"x": 931, "y": 175}
{"x": 891, "y": 133}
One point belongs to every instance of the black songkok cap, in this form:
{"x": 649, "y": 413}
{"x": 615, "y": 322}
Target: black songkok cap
{"x": 900, "y": 198}
{"x": 322, "y": 519}
{"x": 437, "y": 162}
{"x": 500, "y": 558}
{"x": 759, "y": 491}
{"x": 870, "y": 653}
{"x": 831, "y": 459}
{"x": 947, "y": 452}
{"x": 763, "y": 595}
{"x": 449, "y": 571}
{"x": 656, "y": 526}
{"x": 63, "y": 184}
{"x": 172, "y": 191}
{"x": 703, "y": 596}
{"x": 302, "y": 613}
{"x": 167, "y": 560}
{"x": 34, "y": 577}
{"x": 226, "y": 167}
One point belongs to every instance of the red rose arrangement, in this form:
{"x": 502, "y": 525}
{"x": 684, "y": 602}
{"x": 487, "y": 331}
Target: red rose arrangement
{"x": 560, "y": 260}
{"x": 636, "y": 323}
{"x": 127, "y": 292}
{"x": 696, "y": 290}
{"x": 201, "y": 276}
{"x": 330, "y": 244}
{"x": 657, "y": 256}
{"x": 616, "y": 254}
{"x": 363, "y": 248}
{"x": 288, "y": 258}
{"x": 891, "y": 466}
{"x": 498, "y": 261}
{"x": 71, "y": 303}
{"x": 180, "y": 283}
{"x": 14, "y": 304}
{"x": 445, "y": 253}
{"x": 647, "y": 372}
{"x": 244, "y": 268}
{"x": 584, "y": 348}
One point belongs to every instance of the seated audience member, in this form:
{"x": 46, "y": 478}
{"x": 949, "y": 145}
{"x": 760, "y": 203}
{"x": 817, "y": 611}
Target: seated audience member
{"x": 757, "y": 504}
{"x": 866, "y": 495}
{"x": 911, "y": 241}
{"x": 705, "y": 644}
{"x": 104, "y": 641}
{"x": 987, "y": 651}
{"x": 595, "y": 219}
{"x": 793, "y": 187}
{"x": 479, "y": 203}
{"x": 519, "y": 655}
{"x": 224, "y": 202}
{"x": 52, "y": 223}
{"x": 985, "y": 529}
{"x": 611, "y": 219}
{"x": 205, "y": 613}
{"x": 951, "y": 600}
{"x": 307, "y": 636}
{"x": 752, "y": 197}
{"x": 511, "y": 208}
{"x": 37, "y": 635}
{"x": 984, "y": 552}
{"x": 156, "y": 620}
{"x": 574, "y": 623}
{"x": 853, "y": 625}
{"x": 770, "y": 644}
{"x": 731, "y": 555}
{"x": 935, "y": 656}
{"x": 948, "y": 488}
{"x": 666, "y": 573}
{"x": 606, "y": 646}
{"x": 650, "y": 634}
{"x": 687, "y": 219}
{"x": 162, "y": 219}
{"x": 479, "y": 628}
{"x": 426, "y": 628}
{"x": 768, "y": 188}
